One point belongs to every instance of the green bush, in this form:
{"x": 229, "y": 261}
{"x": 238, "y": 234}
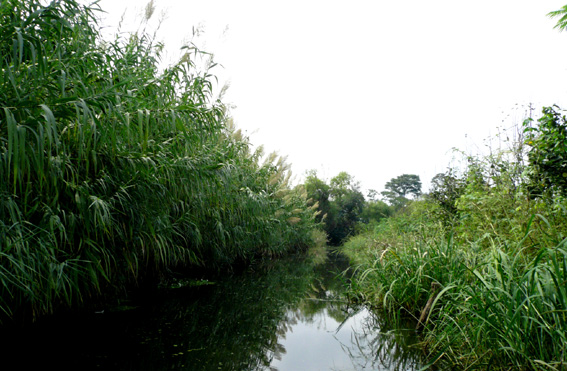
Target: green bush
{"x": 548, "y": 152}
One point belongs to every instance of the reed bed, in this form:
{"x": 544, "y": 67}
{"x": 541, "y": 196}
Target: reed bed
{"x": 113, "y": 170}
{"x": 497, "y": 307}
{"x": 500, "y": 265}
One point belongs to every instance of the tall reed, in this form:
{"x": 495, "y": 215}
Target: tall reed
{"x": 113, "y": 170}
{"x": 500, "y": 264}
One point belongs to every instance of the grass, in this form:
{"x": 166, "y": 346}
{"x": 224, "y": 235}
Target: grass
{"x": 495, "y": 309}
{"x": 500, "y": 263}
{"x": 114, "y": 171}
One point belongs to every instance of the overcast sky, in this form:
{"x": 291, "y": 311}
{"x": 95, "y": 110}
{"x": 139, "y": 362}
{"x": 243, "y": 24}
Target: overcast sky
{"x": 375, "y": 88}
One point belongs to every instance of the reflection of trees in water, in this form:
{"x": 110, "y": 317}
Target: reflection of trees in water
{"x": 240, "y": 323}
{"x": 370, "y": 346}
{"x": 235, "y": 324}
{"x": 373, "y": 348}
{"x": 320, "y": 299}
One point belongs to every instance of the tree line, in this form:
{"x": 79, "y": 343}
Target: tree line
{"x": 343, "y": 210}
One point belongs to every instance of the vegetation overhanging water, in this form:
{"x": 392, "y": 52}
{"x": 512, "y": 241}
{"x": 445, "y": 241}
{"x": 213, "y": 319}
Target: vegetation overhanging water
{"x": 116, "y": 175}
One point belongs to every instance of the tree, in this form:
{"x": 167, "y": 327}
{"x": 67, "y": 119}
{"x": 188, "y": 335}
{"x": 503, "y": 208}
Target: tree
{"x": 374, "y": 211}
{"x": 345, "y": 214}
{"x": 398, "y": 188}
{"x": 562, "y": 22}
{"x": 446, "y": 188}
{"x": 372, "y": 194}
{"x": 548, "y": 153}
{"x": 346, "y": 207}
{"x": 340, "y": 204}
{"x": 343, "y": 184}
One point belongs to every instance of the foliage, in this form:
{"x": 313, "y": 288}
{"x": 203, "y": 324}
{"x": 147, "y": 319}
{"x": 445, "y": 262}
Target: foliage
{"x": 344, "y": 217}
{"x": 374, "y": 211}
{"x": 318, "y": 193}
{"x": 114, "y": 171}
{"x": 372, "y": 194}
{"x": 562, "y": 15}
{"x": 340, "y": 204}
{"x": 446, "y": 188}
{"x": 499, "y": 263}
{"x": 548, "y": 152}
{"x": 343, "y": 184}
{"x": 398, "y": 188}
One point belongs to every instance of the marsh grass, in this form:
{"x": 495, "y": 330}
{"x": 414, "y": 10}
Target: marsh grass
{"x": 496, "y": 308}
{"x": 501, "y": 267}
{"x": 113, "y": 170}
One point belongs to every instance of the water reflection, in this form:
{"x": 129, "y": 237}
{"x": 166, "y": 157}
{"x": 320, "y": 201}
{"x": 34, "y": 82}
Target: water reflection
{"x": 286, "y": 315}
{"x": 373, "y": 348}
{"x": 324, "y": 333}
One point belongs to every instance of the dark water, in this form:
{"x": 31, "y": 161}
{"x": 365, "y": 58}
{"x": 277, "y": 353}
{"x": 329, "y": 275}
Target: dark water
{"x": 286, "y": 315}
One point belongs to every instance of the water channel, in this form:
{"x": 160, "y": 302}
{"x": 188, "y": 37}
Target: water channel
{"x": 285, "y": 315}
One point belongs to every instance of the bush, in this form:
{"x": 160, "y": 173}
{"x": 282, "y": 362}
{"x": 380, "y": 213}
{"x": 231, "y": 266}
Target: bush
{"x": 548, "y": 152}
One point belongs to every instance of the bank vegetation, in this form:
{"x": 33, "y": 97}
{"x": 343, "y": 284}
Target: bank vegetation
{"x": 115, "y": 172}
{"x": 480, "y": 262}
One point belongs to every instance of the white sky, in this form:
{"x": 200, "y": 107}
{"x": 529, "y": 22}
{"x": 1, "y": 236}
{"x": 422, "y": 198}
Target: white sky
{"x": 375, "y": 88}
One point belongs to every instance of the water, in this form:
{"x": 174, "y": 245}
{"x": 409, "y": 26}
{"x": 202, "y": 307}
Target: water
{"x": 325, "y": 344}
{"x": 286, "y": 315}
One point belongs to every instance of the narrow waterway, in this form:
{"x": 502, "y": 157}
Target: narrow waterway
{"x": 286, "y": 315}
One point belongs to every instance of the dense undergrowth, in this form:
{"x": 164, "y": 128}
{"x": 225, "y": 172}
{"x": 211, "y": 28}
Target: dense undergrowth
{"x": 493, "y": 242}
{"x": 113, "y": 170}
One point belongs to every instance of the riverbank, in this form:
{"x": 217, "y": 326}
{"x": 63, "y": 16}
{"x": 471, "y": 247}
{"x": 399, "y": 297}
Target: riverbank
{"x": 116, "y": 171}
{"x": 495, "y": 276}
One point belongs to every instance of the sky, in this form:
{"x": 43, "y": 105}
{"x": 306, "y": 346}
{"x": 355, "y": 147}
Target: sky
{"x": 374, "y": 88}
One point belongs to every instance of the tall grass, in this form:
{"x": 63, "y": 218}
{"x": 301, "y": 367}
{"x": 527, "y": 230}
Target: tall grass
{"x": 498, "y": 307}
{"x": 500, "y": 265}
{"x": 113, "y": 170}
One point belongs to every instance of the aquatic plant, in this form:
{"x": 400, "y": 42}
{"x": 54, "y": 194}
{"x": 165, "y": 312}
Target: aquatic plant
{"x": 114, "y": 170}
{"x": 498, "y": 259}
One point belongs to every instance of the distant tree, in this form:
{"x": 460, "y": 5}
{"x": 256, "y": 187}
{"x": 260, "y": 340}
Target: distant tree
{"x": 343, "y": 184}
{"x": 372, "y": 194}
{"x": 374, "y": 211}
{"x": 345, "y": 214}
{"x": 340, "y": 204}
{"x": 397, "y": 189}
{"x": 346, "y": 206}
